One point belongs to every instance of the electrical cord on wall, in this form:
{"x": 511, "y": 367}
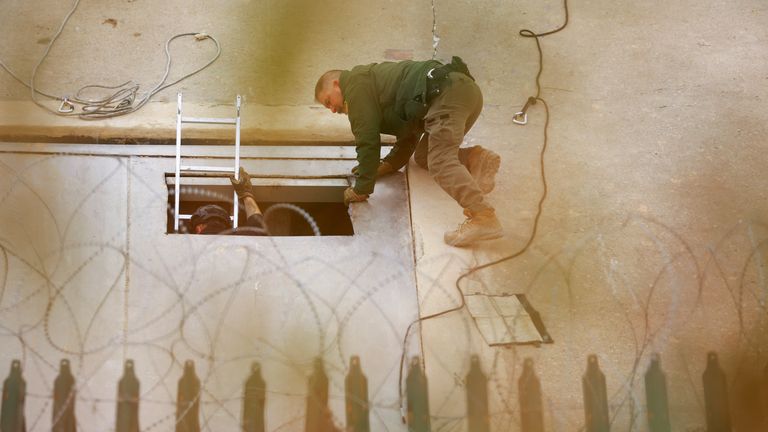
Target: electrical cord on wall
{"x": 522, "y": 114}
{"x": 123, "y": 100}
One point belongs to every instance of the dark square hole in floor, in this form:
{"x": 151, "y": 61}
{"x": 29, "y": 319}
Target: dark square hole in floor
{"x": 331, "y": 217}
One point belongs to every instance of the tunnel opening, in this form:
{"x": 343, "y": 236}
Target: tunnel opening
{"x": 320, "y": 198}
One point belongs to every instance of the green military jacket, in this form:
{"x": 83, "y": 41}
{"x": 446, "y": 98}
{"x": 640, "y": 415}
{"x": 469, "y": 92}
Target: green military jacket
{"x": 385, "y": 98}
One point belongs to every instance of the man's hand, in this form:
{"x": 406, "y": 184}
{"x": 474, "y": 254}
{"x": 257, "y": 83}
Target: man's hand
{"x": 243, "y": 185}
{"x": 351, "y": 196}
{"x": 383, "y": 169}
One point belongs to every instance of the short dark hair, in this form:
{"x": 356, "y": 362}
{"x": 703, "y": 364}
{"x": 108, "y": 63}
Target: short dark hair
{"x": 324, "y": 80}
{"x": 215, "y": 217}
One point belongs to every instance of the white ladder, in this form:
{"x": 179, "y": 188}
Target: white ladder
{"x": 210, "y": 169}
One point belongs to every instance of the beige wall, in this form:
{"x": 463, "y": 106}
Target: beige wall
{"x": 652, "y": 236}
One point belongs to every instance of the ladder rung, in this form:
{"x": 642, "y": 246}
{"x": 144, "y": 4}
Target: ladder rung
{"x": 214, "y": 169}
{"x": 235, "y": 121}
{"x": 209, "y": 120}
{"x": 189, "y": 216}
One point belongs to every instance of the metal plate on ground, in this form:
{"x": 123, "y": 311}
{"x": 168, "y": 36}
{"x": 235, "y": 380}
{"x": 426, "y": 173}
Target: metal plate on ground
{"x": 506, "y": 319}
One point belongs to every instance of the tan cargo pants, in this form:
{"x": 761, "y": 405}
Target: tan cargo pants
{"x": 450, "y": 116}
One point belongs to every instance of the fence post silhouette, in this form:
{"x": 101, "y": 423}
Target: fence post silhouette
{"x": 531, "y": 407}
{"x": 764, "y": 394}
{"x": 417, "y": 398}
{"x": 595, "y": 397}
{"x": 14, "y": 394}
{"x": 356, "y": 398}
{"x": 318, "y": 418}
{"x": 478, "y": 418}
{"x": 64, "y": 396}
{"x": 254, "y": 400}
{"x": 656, "y": 396}
{"x": 188, "y": 400}
{"x": 716, "y": 396}
{"x": 128, "y": 400}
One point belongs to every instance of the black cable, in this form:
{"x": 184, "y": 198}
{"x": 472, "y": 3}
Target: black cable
{"x": 529, "y": 33}
{"x": 531, "y": 101}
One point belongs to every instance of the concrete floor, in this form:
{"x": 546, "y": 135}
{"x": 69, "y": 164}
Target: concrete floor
{"x": 653, "y": 236}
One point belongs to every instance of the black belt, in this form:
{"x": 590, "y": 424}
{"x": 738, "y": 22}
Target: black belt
{"x": 437, "y": 76}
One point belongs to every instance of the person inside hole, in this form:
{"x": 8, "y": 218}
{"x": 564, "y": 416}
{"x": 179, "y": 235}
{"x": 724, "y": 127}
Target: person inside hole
{"x": 215, "y": 219}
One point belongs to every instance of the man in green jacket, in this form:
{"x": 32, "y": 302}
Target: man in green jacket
{"x": 428, "y": 107}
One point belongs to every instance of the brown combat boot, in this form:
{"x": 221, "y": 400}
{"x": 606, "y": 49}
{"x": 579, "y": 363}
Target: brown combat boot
{"x": 483, "y": 164}
{"x": 480, "y": 225}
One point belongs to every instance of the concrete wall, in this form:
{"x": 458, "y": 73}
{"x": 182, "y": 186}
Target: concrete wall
{"x": 652, "y": 236}
{"x": 90, "y": 275}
